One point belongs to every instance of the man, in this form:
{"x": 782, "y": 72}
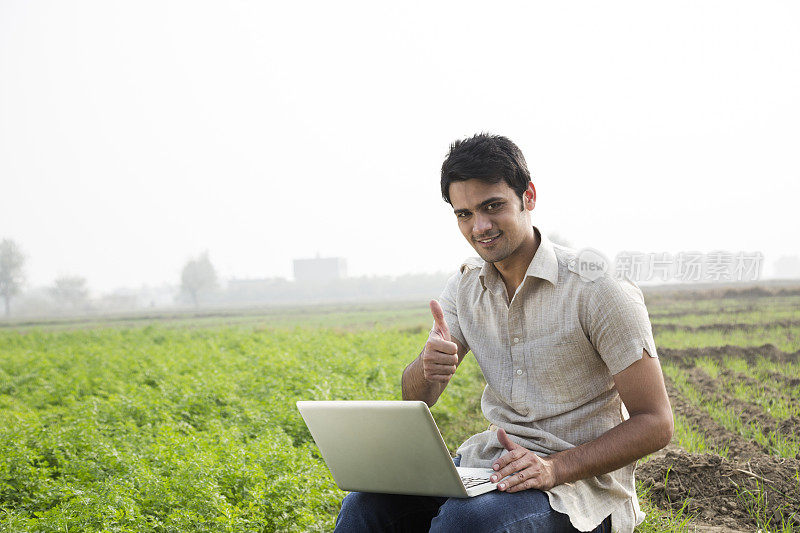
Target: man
{"x": 574, "y": 391}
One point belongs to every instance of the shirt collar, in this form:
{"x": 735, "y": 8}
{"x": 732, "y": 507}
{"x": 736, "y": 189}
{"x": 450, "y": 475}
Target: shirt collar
{"x": 544, "y": 265}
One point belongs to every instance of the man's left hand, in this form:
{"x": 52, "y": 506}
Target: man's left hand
{"x": 529, "y": 470}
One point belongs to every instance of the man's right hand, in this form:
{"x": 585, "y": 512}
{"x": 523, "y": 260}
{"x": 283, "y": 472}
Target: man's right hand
{"x": 440, "y": 356}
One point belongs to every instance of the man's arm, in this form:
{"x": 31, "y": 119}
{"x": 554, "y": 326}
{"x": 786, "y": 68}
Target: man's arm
{"x": 426, "y": 377}
{"x": 649, "y": 428}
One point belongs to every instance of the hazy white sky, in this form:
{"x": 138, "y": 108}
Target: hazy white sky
{"x": 134, "y": 135}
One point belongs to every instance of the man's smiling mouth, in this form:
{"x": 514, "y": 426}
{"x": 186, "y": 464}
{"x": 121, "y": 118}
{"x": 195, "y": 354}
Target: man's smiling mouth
{"x": 488, "y": 240}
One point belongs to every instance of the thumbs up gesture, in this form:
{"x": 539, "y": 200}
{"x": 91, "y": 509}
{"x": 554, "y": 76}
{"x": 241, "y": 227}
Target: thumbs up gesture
{"x": 440, "y": 356}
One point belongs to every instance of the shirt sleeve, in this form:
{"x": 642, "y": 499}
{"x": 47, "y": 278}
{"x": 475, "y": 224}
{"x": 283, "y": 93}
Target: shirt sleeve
{"x": 448, "y": 300}
{"x": 618, "y": 323}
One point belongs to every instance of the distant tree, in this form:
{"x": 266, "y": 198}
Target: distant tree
{"x": 198, "y": 276}
{"x": 70, "y": 290}
{"x": 11, "y": 276}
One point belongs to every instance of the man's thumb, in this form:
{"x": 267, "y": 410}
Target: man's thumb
{"x": 507, "y": 443}
{"x": 438, "y": 318}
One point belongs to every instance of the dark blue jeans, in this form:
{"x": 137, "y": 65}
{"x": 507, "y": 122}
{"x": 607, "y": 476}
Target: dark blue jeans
{"x": 494, "y": 512}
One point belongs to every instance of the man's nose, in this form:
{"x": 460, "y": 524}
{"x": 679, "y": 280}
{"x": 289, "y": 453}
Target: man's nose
{"x": 482, "y": 224}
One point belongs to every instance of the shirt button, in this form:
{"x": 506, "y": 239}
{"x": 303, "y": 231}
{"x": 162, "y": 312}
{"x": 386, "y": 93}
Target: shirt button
{"x": 516, "y": 340}
{"x": 519, "y": 371}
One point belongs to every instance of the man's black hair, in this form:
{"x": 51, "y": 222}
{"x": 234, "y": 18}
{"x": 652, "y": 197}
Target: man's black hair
{"x": 490, "y": 158}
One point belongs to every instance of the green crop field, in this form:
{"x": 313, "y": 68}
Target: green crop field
{"x": 189, "y": 423}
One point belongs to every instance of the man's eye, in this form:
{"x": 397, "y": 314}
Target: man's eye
{"x": 462, "y": 214}
{"x": 494, "y": 206}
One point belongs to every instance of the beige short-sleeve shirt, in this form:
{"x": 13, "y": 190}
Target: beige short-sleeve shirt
{"x": 548, "y": 357}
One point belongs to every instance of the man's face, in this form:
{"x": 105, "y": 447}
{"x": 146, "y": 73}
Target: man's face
{"x": 491, "y": 218}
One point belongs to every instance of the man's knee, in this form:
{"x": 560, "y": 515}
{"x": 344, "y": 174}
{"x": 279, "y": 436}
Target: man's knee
{"x": 494, "y": 511}
{"x": 358, "y": 510}
{"x": 365, "y": 511}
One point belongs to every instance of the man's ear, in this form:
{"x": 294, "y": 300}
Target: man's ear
{"x": 529, "y": 197}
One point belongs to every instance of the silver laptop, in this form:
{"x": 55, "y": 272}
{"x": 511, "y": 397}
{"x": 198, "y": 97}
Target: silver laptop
{"x": 391, "y": 447}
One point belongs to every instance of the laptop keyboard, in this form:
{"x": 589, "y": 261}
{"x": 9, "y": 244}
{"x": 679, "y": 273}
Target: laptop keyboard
{"x": 472, "y": 481}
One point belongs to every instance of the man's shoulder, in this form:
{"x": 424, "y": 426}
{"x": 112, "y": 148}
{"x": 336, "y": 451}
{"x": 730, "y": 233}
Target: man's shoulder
{"x": 471, "y": 264}
{"x": 592, "y": 272}
{"x": 467, "y": 275}
{"x": 569, "y": 266}
{"x": 565, "y": 255}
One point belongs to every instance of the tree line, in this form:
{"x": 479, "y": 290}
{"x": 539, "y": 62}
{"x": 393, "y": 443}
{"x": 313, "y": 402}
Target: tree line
{"x": 199, "y": 284}
{"x": 72, "y": 291}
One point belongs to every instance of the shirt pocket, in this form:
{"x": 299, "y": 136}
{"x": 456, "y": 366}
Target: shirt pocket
{"x": 566, "y": 372}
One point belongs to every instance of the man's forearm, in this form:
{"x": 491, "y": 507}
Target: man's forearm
{"x": 621, "y": 445}
{"x": 415, "y": 387}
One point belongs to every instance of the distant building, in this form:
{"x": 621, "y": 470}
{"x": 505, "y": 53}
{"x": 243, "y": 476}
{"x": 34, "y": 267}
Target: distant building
{"x": 320, "y": 269}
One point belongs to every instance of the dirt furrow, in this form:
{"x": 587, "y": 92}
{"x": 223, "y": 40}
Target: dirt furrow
{"x": 774, "y": 383}
{"x": 722, "y": 492}
{"x": 785, "y": 381}
{"x": 749, "y": 412}
{"x": 715, "y": 435}
{"x": 750, "y": 353}
{"x": 724, "y": 327}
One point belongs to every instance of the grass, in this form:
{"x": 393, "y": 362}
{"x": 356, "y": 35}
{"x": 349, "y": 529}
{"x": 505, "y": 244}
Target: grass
{"x": 710, "y": 366}
{"x": 175, "y": 429}
{"x": 755, "y": 501}
{"x": 735, "y": 364}
{"x": 660, "y": 520}
{"x": 689, "y": 438}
